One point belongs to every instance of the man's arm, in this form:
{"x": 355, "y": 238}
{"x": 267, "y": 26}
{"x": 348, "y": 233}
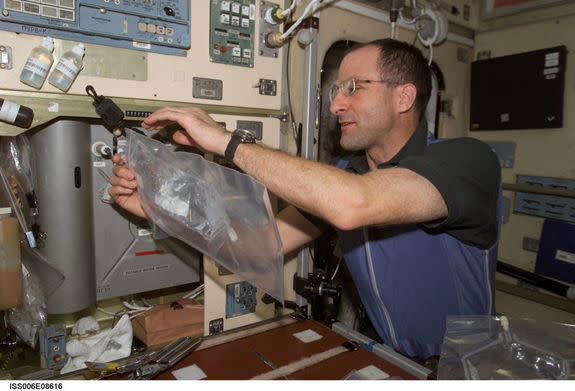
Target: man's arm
{"x": 295, "y": 230}
{"x": 347, "y": 201}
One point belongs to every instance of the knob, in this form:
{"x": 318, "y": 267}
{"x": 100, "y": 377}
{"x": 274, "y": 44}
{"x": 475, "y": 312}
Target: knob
{"x": 169, "y": 11}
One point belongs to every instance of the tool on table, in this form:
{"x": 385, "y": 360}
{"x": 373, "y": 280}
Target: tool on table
{"x": 148, "y": 364}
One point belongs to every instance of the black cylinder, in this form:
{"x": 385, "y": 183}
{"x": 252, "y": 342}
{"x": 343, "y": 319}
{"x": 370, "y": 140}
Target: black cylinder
{"x": 16, "y": 114}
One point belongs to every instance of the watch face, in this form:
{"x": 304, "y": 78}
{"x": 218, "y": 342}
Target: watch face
{"x": 245, "y": 136}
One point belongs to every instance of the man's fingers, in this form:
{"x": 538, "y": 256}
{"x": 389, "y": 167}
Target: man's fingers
{"x": 123, "y": 182}
{"x": 124, "y": 172}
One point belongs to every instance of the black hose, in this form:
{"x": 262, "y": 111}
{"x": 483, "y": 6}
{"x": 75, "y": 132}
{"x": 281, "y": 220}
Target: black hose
{"x": 533, "y": 279}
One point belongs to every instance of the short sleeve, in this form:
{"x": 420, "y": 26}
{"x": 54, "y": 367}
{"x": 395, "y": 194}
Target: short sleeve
{"x": 467, "y": 174}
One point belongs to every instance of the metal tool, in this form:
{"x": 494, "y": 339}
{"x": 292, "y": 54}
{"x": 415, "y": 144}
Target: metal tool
{"x": 264, "y": 359}
{"x": 166, "y": 358}
{"x": 148, "y": 364}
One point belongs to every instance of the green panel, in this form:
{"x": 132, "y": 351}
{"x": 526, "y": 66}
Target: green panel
{"x": 232, "y": 30}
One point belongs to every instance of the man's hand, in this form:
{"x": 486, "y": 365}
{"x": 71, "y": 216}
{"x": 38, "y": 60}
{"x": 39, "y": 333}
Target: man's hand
{"x": 201, "y": 130}
{"x": 124, "y": 188}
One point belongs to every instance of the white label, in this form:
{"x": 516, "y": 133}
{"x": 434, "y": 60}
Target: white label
{"x": 236, "y": 52}
{"x": 68, "y": 68}
{"x": 148, "y": 269}
{"x": 99, "y": 164}
{"x": 552, "y": 62}
{"x": 565, "y": 256}
{"x": 252, "y": 11}
{"x": 36, "y": 66}
{"x": 371, "y": 372}
{"x": 142, "y": 45}
{"x": 144, "y": 232}
{"x": 9, "y": 111}
{"x": 5, "y": 58}
{"x": 53, "y": 107}
{"x": 552, "y": 56}
{"x": 307, "y": 336}
{"x": 550, "y": 71}
{"x": 193, "y": 372}
{"x": 504, "y": 117}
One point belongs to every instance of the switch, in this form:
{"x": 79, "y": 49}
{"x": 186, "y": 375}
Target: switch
{"x": 225, "y": 19}
{"x": 168, "y": 11}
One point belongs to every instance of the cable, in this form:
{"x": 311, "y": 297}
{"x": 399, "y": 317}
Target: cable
{"x": 313, "y": 4}
{"x": 288, "y": 11}
{"x": 336, "y": 269}
{"x": 430, "y": 54}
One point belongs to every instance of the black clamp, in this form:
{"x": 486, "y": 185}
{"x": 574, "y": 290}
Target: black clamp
{"x": 315, "y": 285}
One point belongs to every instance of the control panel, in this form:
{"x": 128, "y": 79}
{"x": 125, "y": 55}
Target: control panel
{"x": 232, "y": 30}
{"x": 240, "y": 299}
{"x": 160, "y": 26}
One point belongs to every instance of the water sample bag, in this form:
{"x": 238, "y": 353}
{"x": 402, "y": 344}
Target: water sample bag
{"x": 221, "y": 212}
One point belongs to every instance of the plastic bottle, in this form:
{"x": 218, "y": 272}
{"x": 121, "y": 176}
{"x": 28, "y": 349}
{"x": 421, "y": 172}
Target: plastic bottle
{"x": 15, "y": 114}
{"x": 11, "y": 293}
{"x": 68, "y": 67}
{"x": 38, "y": 64}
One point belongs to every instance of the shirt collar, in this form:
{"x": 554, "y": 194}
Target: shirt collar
{"x": 414, "y": 146}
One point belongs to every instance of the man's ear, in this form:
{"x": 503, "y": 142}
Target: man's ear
{"x": 405, "y": 97}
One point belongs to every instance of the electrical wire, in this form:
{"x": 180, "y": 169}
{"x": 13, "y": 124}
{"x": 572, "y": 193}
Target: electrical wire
{"x": 195, "y": 292}
{"x": 311, "y": 7}
{"x": 288, "y": 11}
{"x": 430, "y": 54}
{"x": 336, "y": 269}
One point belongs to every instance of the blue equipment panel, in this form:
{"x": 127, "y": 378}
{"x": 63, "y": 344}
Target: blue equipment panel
{"x": 553, "y": 207}
{"x": 240, "y": 299}
{"x": 556, "y": 255}
{"x": 160, "y": 26}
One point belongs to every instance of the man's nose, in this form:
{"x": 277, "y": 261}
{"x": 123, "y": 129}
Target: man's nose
{"x": 338, "y": 104}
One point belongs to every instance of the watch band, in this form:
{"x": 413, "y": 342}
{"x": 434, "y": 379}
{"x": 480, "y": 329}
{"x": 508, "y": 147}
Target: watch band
{"x": 231, "y": 148}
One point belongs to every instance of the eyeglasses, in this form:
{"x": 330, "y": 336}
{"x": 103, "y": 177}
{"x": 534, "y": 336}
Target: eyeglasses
{"x": 349, "y": 86}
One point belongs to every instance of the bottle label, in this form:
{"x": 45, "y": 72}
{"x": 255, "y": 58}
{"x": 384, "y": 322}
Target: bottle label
{"x": 37, "y": 66}
{"x": 9, "y": 111}
{"x": 68, "y": 68}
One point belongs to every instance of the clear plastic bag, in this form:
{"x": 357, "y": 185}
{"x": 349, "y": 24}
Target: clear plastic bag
{"x": 500, "y": 348}
{"x": 223, "y": 213}
{"x": 28, "y": 318}
{"x": 18, "y": 161}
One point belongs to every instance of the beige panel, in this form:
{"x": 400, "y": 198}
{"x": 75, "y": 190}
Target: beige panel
{"x": 169, "y": 78}
{"x": 515, "y": 306}
{"x": 109, "y": 62}
{"x": 215, "y": 300}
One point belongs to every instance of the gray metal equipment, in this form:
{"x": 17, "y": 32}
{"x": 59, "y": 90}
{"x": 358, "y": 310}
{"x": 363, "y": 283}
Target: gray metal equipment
{"x": 102, "y": 250}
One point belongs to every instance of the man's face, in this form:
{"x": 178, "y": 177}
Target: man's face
{"x": 367, "y": 114}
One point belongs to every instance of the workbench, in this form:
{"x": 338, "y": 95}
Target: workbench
{"x": 236, "y": 355}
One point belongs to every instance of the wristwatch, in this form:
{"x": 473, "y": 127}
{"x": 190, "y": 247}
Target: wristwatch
{"x": 239, "y": 136}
